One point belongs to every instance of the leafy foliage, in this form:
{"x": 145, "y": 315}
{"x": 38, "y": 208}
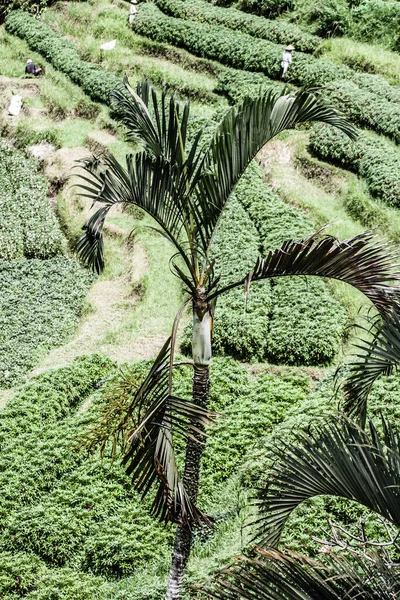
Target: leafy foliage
{"x": 63, "y": 516}
{"x": 40, "y": 304}
{"x": 306, "y": 323}
{"x": 274, "y": 31}
{"x": 377, "y": 161}
{"x": 28, "y": 226}
{"x": 236, "y": 49}
{"x": 62, "y": 53}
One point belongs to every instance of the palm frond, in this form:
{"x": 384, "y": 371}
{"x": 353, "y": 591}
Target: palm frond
{"x": 160, "y": 126}
{"x": 138, "y": 422}
{"x": 274, "y": 575}
{"x": 145, "y": 182}
{"x": 242, "y": 133}
{"x": 338, "y": 459}
{"x": 360, "y": 261}
{"x": 372, "y": 359}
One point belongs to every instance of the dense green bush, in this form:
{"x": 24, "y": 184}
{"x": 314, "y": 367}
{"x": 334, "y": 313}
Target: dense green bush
{"x": 328, "y": 17}
{"x": 366, "y": 110}
{"x": 377, "y": 21}
{"x": 274, "y": 31}
{"x": 306, "y": 324}
{"x": 254, "y": 408}
{"x": 235, "y": 84}
{"x": 64, "y": 516}
{"x": 62, "y": 54}
{"x": 266, "y": 8}
{"x": 40, "y": 304}
{"x": 28, "y": 226}
{"x": 240, "y": 328}
{"x": 376, "y": 160}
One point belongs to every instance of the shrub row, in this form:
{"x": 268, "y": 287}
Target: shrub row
{"x": 28, "y": 226}
{"x": 267, "y": 8}
{"x": 377, "y": 20}
{"x": 235, "y": 84}
{"x": 376, "y": 160}
{"x": 72, "y": 528}
{"x": 68, "y": 522}
{"x": 40, "y": 305}
{"x": 259, "y": 27}
{"x": 306, "y": 324}
{"x": 242, "y": 51}
{"x": 62, "y": 53}
{"x": 365, "y": 109}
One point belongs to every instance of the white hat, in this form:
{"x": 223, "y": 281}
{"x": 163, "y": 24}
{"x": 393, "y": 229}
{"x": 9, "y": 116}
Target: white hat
{"x": 290, "y": 47}
{"x": 133, "y": 1}
{"x": 28, "y": 61}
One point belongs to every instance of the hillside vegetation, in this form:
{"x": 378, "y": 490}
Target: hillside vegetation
{"x": 72, "y": 528}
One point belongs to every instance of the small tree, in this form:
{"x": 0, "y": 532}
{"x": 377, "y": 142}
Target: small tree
{"x": 185, "y": 188}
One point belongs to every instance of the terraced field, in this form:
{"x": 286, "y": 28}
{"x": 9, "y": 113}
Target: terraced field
{"x": 72, "y": 527}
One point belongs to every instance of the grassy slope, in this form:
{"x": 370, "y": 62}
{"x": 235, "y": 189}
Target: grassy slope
{"x": 130, "y": 324}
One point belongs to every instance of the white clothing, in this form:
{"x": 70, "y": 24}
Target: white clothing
{"x": 286, "y": 61}
{"x": 132, "y": 13}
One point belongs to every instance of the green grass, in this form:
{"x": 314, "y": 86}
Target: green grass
{"x": 363, "y": 57}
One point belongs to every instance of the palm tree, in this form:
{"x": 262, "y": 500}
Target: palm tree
{"x": 185, "y": 187}
{"x": 338, "y": 459}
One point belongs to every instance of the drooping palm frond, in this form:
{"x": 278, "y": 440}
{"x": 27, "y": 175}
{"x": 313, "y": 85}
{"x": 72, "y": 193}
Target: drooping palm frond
{"x": 244, "y": 130}
{"x": 338, "y": 459}
{"x": 360, "y": 261}
{"x": 145, "y": 182}
{"x": 372, "y": 359}
{"x": 139, "y": 420}
{"x": 274, "y": 575}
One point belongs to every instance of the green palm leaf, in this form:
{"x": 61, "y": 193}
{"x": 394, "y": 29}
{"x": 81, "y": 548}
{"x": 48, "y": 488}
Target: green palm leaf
{"x": 337, "y": 459}
{"x": 373, "y": 359}
{"x": 244, "y": 130}
{"x": 139, "y": 420}
{"x": 145, "y": 182}
{"x": 360, "y": 261}
{"x": 274, "y": 575}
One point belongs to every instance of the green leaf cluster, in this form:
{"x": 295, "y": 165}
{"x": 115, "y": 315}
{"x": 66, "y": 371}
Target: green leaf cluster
{"x": 376, "y": 160}
{"x": 40, "y": 305}
{"x": 28, "y": 226}
{"x": 274, "y": 31}
{"x": 63, "y": 55}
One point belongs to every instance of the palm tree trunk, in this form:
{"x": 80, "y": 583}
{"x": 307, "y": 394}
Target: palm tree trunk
{"x": 194, "y": 451}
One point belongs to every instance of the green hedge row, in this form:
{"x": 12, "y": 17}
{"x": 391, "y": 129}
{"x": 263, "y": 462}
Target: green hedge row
{"x": 242, "y": 51}
{"x": 71, "y": 528}
{"x": 28, "y": 225}
{"x": 62, "y": 53}
{"x": 40, "y": 305}
{"x": 377, "y": 161}
{"x": 69, "y": 522}
{"x": 259, "y": 27}
{"x": 266, "y": 8}
{"x": 365, "y": 109}
{"x": 307, "y": 324}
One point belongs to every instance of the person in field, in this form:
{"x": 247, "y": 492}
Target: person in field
{"x": 132, "y": 11}
{"x": 286, "y": 60}
{"x": 31, "y": 68}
